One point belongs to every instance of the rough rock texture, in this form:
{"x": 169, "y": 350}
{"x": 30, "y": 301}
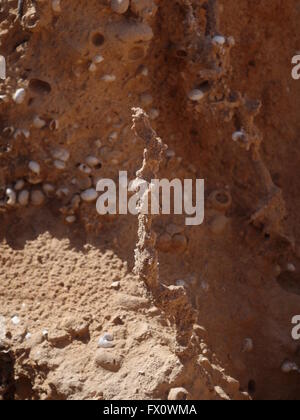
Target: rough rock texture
{"x": 202, "y": 70}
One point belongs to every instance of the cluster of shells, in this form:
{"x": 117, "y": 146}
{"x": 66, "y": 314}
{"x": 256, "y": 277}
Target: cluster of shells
{"x": 33, "y": 188}
{"x": 209, "y": 81}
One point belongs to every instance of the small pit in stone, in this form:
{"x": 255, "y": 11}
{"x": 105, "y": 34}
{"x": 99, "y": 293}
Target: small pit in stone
{"x": 98, "y": 39}
{"x": 289, "y": 282}
{"x": 39, "y": 87}
{"x": 136, "y": 53}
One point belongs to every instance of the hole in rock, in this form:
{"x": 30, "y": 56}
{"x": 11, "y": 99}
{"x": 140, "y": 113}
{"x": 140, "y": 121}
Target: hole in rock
{"x": 98, "y": 39}
{"x": 289, "y": 282}
{"x": 40, "y": 87}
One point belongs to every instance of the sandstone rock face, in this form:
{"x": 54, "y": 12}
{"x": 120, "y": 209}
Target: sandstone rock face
{"x": 214, "y": 77}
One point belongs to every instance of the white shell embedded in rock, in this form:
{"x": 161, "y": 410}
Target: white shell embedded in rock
{"x": 54, "y": 125}
{"x": 62, "y": 192}
{"x": 71, "y": 219}
{"x": 23, "y": 198}
{"x": 92, "y": 68}
{"x": 119, "y": 6}
{"x": 59, "y": 164}
{"x": 219, "y": 39}
{"x": 288, "y": 367}
{"x": 19, "y": 184}
{"x": 291, "y": 268}
{"x": 34, "y": 167}
{"x": 85, "y": 169}
{"x": 11, "y": 197}
{"x": 38, "y": 122}
{"x": 19, "y": 96}
{"x": 92, "y": 161}
{"x": 56, "y": 7}
{"x": 48, "y": 189}
{"x": 239, "y": 136}
{"x": 21, "y": 132}
{"x": 26, "y": 133}
{"x": 108, "y": 78}
{"x": 106, "y": 341}
{"x": 28, "y": 336}
{"x": 61, "y": 154}
{"x": 15, "y": 320}
{"x": 196, "y": 95}
{"x": 98, "y": 59}
{"x": 89, "y": 195}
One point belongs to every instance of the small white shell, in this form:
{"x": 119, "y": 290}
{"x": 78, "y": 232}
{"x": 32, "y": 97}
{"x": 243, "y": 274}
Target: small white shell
{"x": 22, "y": 131}
{"x": 34, "y": 167}
{"x": 98, "y": 59}
{"x": 38, "y": 122}
{"x": 231, "y": 41}
{"x": 75, "y": 202}
{"x": 115, "y": 285}
{"x": 92, "y": 68}
{"x": 12, "y": 197}
{"x": 85, "y": 169}
{"x": 92, "y": 161}
{"x": 145, "y": 71}
{"x": 26, "y": 133}
{"x": 62, "y": 192}
{"x": 196, "y": 95}
{"x": 9, "y": 131}
{"x": 56, "y": 6}
{"x": 59, "y": 164}
{"x": 98, "y": 143}
{"x": 289, "y": 367}
{"x": 54, "y": 125}
{"x": 19, "y": 184}
{"x": 219, "y": 39}
{"x": 23, "y": 198}
{"x": 15, "y": 320}
{"x": 108, "y": 78}
{"x": 291, "y": 268}
{"x": 119, "y": 6}
{"x": 89, "y": 195}
{"x": 106, "y": 341}
{"x": 48, "y": 189}
{"x": 61, "y": 154}
{"x": 37, "y": 197}
{"x": 17, "y": 133}
{"x": 19, "y": 96}
{"x": 71, "y": 219}
{"x": 239, "y": 136}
